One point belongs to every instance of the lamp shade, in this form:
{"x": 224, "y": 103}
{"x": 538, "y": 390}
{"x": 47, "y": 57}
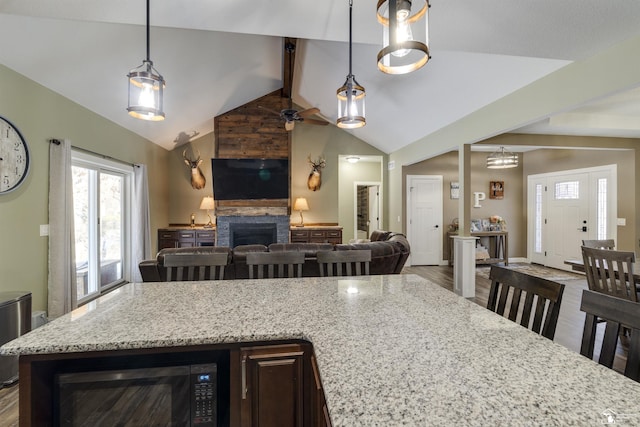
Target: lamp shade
{"x": 502, "y": 159}
{"x": 207, "y": 203}
{"x": 301, "y": 204}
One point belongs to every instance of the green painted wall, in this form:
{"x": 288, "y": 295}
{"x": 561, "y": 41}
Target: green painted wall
{"x": 41, "y": 114}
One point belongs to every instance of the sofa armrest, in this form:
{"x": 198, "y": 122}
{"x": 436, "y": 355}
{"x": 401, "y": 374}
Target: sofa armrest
{"x": 149, "y": 270}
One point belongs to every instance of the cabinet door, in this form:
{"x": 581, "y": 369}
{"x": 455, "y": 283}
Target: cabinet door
{"x": 272, "y": 386}
{"x": 167, "y": 239}
{"x": 320, "y": 411}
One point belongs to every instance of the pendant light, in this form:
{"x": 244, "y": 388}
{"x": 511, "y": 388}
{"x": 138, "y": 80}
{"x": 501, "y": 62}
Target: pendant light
{"x": 351, "y": 95}
{"x": 405, "y": 37}
{"x": 502, "y": 159}
{"x": 146, "y": 87}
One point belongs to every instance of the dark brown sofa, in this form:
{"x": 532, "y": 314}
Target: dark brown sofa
{"x": 389, "y": 252}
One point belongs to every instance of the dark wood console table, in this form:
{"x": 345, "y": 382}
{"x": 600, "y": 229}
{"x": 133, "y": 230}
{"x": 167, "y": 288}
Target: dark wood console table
{"x": 185, "y": 237}
{"x": 316, "y": 234}
{"x": 498, "y": 246}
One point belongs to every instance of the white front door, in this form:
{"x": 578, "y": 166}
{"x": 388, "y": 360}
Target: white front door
{"x": 424, "y": 222}
{"x": 567, "y": 207}
{"x": 567, "y": 218}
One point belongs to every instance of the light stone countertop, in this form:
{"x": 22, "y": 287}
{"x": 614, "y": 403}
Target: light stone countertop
{"x": 401, "y": 351}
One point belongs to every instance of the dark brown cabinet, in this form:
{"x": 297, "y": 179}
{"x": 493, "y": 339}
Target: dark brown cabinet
{"x": 272, "y": 385}
{"x": 319, "y": 404}
{"x": 267, "y": 384}
{"x": 316, "y": 235}
{"x": 185, "y": 237}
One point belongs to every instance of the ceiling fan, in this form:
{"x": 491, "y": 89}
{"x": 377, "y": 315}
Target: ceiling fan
{"x": 290, "y": 115}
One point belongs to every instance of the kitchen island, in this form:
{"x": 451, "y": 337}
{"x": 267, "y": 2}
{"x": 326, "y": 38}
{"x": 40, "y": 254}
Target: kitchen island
{"x": 391, "y": 350}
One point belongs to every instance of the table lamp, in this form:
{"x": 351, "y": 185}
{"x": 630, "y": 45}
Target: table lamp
{"x": 301, "y": 205}
{"x": 207, "y": 203}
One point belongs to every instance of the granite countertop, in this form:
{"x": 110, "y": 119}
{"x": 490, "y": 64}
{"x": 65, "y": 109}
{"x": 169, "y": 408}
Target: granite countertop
{"x": 400, "y": 351}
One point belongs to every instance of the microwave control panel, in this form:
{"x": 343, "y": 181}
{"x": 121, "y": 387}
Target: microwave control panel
{"x": 204, "y": 397}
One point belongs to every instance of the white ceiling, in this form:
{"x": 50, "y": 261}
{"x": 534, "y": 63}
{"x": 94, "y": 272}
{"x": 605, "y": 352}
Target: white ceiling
{"x": 216, "y": 56}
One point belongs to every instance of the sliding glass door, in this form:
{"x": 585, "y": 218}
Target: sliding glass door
{"x": 101, "y": 202}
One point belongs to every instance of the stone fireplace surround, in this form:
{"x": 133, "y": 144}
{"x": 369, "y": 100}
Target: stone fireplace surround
{"x": 226, "y": 224}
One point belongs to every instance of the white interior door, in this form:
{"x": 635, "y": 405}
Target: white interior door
{"x": 374, "y": 208}
{"x": 424, "y": 222}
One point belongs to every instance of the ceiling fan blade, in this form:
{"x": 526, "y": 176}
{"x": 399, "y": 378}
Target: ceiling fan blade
{"x": 289, "y": 125}
{"x": 269, "y": 110}
{"x": 315, "y": 122}
{"x": 308, "y": 112}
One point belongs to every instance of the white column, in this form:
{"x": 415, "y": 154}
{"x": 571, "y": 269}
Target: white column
{"x": 464, "y": 266}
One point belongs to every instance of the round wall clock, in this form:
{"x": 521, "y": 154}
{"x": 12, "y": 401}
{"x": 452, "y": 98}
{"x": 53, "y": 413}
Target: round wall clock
{"x": 14, "y": 157}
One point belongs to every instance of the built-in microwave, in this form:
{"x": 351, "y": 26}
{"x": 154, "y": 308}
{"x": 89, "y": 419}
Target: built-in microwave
{"x": 160, "y": 396}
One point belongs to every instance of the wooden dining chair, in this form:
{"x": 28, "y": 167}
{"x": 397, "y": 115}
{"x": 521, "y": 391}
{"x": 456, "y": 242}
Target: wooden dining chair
{"x": 599, "y": 265}
{"x": 600, "y": 244}
{"x": 615, "y": 312}
{"x": 344, "y": 263}
{"x": 540, "y": 307}
{"x": 195, "y": 266}
{"x": 275, "y": 264}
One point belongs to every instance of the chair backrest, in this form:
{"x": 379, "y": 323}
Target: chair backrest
{"x": 189, "y": 267}
{"x": 616, "y": 312}
{"x": 344, "y": 263}
{"x": 505, "y": 298}
{"x": 599, "y": 264}
{"x": 275, "y": 264}
{"x": 600, "y": 244}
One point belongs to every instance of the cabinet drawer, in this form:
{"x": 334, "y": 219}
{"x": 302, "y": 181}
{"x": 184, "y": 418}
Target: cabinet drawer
{"x": 318, "y": 233}
{"x": 334, "y": 233}
{"x": 205, "y": 235}
{"x": 187, "y": 235}
{"x": 167, "y": 234}
{"x": 300, "y": 234}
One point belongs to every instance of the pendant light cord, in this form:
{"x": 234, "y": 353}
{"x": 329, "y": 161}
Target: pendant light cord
{"x": 148, "y": 44}
{"x": 350, "y": 31}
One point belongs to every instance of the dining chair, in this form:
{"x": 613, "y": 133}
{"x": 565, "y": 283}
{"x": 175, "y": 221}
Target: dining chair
{"x": 616, "y": 313}
{"x": 542, "y": 298}
{"x": 598, "y": 265}
{"x": 600, "y": 244}
{"x": 195, "y": 266}
{"x": 344, "y": 263}
{"x": 275, "y": 264}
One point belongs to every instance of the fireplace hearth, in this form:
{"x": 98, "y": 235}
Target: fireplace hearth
{"x": 232, "y": 231}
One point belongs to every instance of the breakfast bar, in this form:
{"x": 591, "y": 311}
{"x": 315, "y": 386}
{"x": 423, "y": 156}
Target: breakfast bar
{"x": 390, "y": 349}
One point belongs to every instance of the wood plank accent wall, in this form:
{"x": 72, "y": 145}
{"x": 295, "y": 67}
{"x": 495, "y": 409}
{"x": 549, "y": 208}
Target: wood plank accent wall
{"x": 253, "y": 132}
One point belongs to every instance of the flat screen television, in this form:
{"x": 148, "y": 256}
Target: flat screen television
{"x": 250, "y": 179}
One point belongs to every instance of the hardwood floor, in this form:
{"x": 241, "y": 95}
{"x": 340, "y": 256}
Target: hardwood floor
{"x": 570, "y": 320}
{"x": 568, "y": 331}
{"x": 9, "y": 406}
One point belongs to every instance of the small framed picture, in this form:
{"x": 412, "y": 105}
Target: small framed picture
{"x": 486, "y": 224}
{"x": 476, "y": 225}
{"x": 455, "y": 190}
{"x": 496, "y": 189}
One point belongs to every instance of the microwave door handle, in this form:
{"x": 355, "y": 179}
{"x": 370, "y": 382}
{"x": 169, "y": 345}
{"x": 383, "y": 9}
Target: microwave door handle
{"x": 244, "y": 377}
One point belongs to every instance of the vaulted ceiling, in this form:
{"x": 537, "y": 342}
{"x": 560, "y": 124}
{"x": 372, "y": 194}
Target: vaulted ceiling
{"x": 216, "y": 56}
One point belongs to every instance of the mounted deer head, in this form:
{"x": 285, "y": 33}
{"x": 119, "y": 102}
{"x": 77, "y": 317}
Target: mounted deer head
{"x": 315, "y": 177}
{"x": 197, "y": 178}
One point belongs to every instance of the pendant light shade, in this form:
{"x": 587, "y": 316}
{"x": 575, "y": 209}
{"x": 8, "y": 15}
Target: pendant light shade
{"x": 146, "y": 86}
{"x": 351, "y": 95}
{"x": 502, "y": 159}
{"x": 405, "y": 35}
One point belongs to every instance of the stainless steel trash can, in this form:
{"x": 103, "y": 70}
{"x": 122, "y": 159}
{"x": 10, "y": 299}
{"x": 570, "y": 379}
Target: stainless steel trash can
{"x": 15, "y": 320}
